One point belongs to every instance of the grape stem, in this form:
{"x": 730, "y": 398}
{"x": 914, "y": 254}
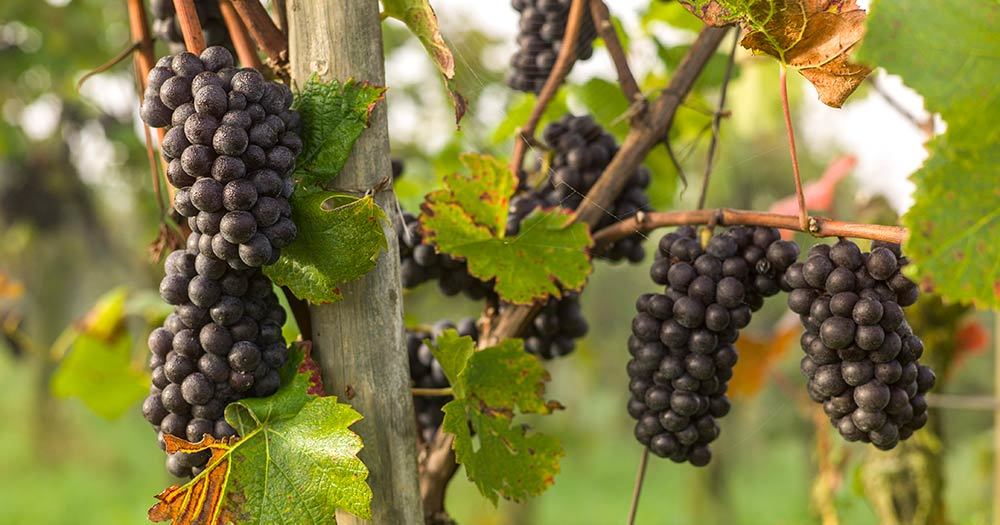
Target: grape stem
{"x": 432, "y": 392}
{"x": 817, "y": 226}
{"x": 713, "y": 144}
{"x": 263, "y": 30}
{"x": 238, "y": 34}
{"x": 187, "y": 17}
{"x": 799, "y": 195}
{"x": 602, "y": 20}
{"x": 564, "y": 62}
{"x": 640, "y": 479}
{"x": 144, "y": 61}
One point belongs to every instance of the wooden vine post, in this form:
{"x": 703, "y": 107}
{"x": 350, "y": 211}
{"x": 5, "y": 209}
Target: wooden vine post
{"x": 359, "y": 340}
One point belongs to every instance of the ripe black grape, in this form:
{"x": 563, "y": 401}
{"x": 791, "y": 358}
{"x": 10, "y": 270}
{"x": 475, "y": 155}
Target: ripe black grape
{"x": 852, "y": 302}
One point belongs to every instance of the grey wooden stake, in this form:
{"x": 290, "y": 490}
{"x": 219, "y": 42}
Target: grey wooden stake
{"x": 359, "y": 340}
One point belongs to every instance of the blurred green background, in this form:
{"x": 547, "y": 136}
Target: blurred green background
{"x": 78, "y": 215}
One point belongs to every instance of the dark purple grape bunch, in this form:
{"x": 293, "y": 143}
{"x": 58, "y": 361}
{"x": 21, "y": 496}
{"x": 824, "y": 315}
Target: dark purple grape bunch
{"x": 167, "y": 28}
{"x": 682, "y": 339}
{"x": 426, "y": 372}
{"x": 420, "y": 262}
{"x": 231, "y": 144}
{"x": 861, "y": 355}
{"x": 542, "y": 26}
{"x": 554, "y": 331}
{"x": 223, "y": 342}
{"x": 581, "y": 150}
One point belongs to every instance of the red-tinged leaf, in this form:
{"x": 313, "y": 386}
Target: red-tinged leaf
{"x": 816, "y": 37}
{"x": 199, "y": 502}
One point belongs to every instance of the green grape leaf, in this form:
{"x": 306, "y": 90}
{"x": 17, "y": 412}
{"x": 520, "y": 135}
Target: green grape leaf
{"x": 670, "y": 13}
{"x": 102, "y": 374}
{"x": 296, "y": 461}
{"x": 955, "y": 219}
{"x": 419, "y": 16}
{"x": 491, "y": 387}
{"x": 334, "y": 114}
{"x": 467, "y": 219}
{"x": 339, "y": 240}
{"x": 816, "y": 37}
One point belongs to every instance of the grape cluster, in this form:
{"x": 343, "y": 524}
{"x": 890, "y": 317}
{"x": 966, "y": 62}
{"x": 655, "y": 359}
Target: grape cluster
{"x": 582, "y": 149}
{"x": 167, "y": 28}
{"x": 861, "y": 355}
{"x": 420, "y": 262}
{"x": 222, "y": 342}
{"x": 542, "y": 26}
{"x": 426, "y": 372}
{"x": 231, "y": 145}
{"x": 682, "y": 340}
{"x": 554, "y": 331}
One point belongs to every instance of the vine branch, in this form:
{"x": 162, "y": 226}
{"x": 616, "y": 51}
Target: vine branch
{"x": 602, "y": 20}
{"x": 564, "y": 63}
{"x": 817, "y": 226}
{"x": 238, "y": 34}
{"x": 263, "y": 30}
{"x": 144, "y": 60}
{"x": 799, "y": 196}
{"x": 187, "y": 17}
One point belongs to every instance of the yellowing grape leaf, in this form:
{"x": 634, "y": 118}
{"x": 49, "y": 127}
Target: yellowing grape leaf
{"x": 758, "y": 355}
{"x": 334, "y": 114}
{"x": 950, "y": 54}
{"x": 95, "y": 359}
{"x": 490, "y": 387}
{"x": 102, "y": 374}
{"x": 419, "y": 16}
{"x": 339, "y": 240}
{"x": 201, "y": 500}
{"x": 816, "y": 37}
{"x": 467, "y": 219}
{"x": 106, "y": 318}
{"x": 295, "y": 463}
